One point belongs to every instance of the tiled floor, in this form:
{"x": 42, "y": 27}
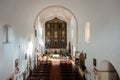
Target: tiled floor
{"x": 55, "y": 70}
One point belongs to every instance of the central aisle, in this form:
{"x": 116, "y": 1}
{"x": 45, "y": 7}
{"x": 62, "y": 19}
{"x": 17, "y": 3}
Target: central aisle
{"x": 55, "y": 70}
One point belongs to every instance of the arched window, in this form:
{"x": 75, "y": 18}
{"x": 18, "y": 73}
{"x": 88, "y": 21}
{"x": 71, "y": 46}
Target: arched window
{"x": 87, "y": 32}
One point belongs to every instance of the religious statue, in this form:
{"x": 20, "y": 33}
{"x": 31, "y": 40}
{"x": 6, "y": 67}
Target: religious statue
{"x": 55, "y": 34}
{"x": 63, "y": 34}
{"x": 82, "y": 61}
{"x": 48, "y": 42}
{"x": 63, "y": 42}
{"x": 48, "y": 34}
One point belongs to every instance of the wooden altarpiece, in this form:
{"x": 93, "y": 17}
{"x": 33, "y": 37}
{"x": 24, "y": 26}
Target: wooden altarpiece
{"x": 55, "y": 34}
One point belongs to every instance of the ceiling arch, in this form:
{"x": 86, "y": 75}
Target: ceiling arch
{"x": 62, "y": 13}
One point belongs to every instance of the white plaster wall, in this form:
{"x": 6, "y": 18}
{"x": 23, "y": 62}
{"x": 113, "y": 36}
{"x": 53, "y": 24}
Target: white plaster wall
{"x": 104, "y": 44}
{"x": 103, "y": 15}
{"x": 6, "y": 56}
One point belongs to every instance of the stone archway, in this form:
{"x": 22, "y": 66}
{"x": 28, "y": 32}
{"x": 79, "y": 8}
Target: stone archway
{"x": 62, "y": 13}
{"x": 107, "y": 71}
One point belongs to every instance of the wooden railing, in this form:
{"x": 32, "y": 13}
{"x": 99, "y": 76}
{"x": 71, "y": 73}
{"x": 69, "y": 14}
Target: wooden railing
{"x": 97, "y": 70}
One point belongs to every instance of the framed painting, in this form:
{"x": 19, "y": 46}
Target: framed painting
{"x": 94, "y": 62}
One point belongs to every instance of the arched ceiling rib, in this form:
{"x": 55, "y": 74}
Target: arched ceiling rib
{"x": 55, "y": 11}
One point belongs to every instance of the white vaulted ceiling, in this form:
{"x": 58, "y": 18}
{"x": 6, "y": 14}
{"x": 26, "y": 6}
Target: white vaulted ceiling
{"x": 55, "y": 11}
